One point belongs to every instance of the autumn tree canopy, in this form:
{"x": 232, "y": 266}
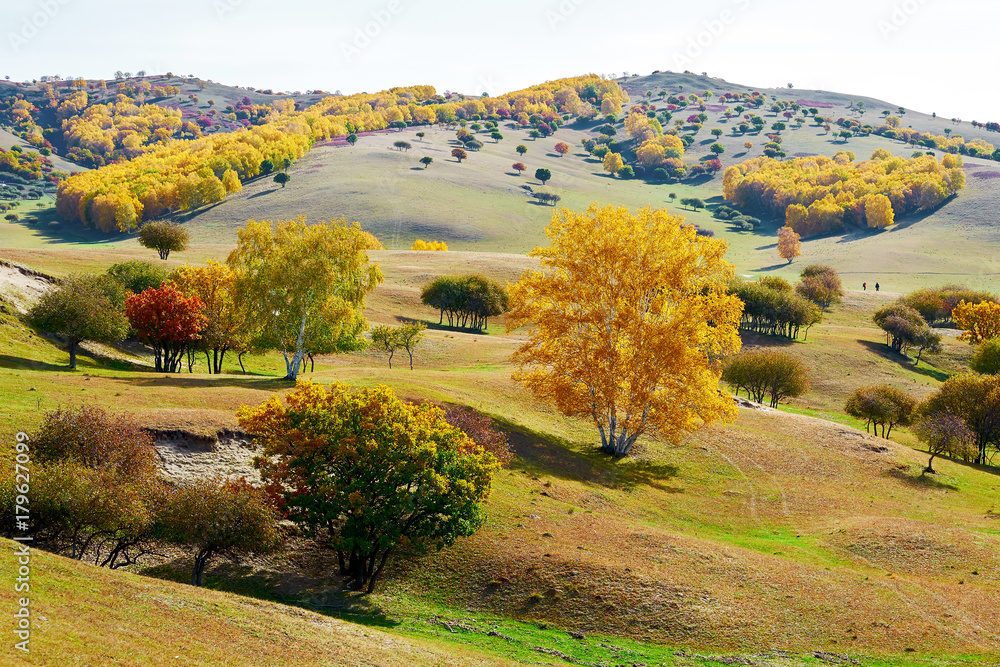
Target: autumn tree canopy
{"x": 630, "y": 317}
{"x": 789, "y": 245}
{"x": 369, "y": 473}
{"x": 979, "y": 322}
{"x": 227, "y": 323}
{"x": 306, "y": 285}
{"x": 168, "y": 321}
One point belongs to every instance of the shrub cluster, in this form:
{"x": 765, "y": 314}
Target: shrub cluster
{"x": 936, "y": 303}
{"x": 735, "y": 218}
{"x": 772, "y": 308}
{"x": 821, "y": 285}
{"x": 468, "y": 301}
{"x": 767, "y": 373}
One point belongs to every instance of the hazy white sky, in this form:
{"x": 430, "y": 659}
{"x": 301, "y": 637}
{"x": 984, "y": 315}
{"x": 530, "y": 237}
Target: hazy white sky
{"x": 928, "y": 55}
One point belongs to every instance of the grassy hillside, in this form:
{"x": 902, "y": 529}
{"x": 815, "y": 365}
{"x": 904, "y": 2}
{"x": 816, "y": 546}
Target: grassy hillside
{"x": 80, "y": 612}
{"x": 480, "y": 204}
{"x": 779, "y": 532}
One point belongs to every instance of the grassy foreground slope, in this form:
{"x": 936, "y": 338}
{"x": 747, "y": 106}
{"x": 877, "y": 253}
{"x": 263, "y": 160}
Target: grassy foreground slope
{"x": 84, "y": 615}
{"x": 778, "y": 532}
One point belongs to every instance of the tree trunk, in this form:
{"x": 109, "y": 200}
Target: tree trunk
{"x": 208, "y": 361}
{"x": 292, "y": 365}
{"x": 200, "y": 560}
{"x": 930, "y": 466}
{"x": 73, "y": 344}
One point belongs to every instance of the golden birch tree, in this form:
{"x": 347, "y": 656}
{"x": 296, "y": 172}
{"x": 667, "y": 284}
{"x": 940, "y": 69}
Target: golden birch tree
{"x": 307, "y": 283}
{"x": 630, "y": 320}
{"x": 789, "y": 245}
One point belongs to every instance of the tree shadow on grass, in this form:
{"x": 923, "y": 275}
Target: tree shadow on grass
{"x": 323, "y": 595}
{"x": 22, "y": 364}
{"x": 437, "y": 326}
{"x": 760, "y": 340}
{"x": 204, "y": 380}
{"x": 903, "y": 360}
{"x": 919, "y": 480}
{"x": 541, "y": 454}
{"x": 773, "y": 267}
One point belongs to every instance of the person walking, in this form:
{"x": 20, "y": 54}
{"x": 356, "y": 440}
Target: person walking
{"x": 864, "y": 287}
{"x": 876, "y": 287}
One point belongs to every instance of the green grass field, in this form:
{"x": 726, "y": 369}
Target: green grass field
{"x": 777, "y": 533}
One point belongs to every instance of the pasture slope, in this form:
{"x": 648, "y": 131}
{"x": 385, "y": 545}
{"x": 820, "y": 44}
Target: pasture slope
{"x": 780, "y": 539}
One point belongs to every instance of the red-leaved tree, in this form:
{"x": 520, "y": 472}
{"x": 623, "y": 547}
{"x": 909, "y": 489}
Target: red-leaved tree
{"x": 168, "y": 321}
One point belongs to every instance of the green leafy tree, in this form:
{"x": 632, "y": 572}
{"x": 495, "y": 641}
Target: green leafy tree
{"x": 82, "y": 308}
{"x": 385, "y": 339}
{"x": 543, "y": 175}
{"x": 266, "y": 167}
{"x": 417, "y": 481}
{"x": 352, "y": 139}
{"x": 163, "y": 237}
{"x": 986, "y": 358}
{"x": 306, "y": 283}
{"x": 761, "y": 373}
{"x": 521, "y": 149}
{"x": 496, "y": 136}
{"x": 467, "y": 300}
{"x": 426, "y": 161}
{"x": 626, "y": 172}
{"x": 693, "y": 203}
{"x": 217, "y": 517}
{"x": 282, "y": 178}
{"x": 881, "y": 405}
{"x": 137, "y": 276}
{"x": 717, "y": 148}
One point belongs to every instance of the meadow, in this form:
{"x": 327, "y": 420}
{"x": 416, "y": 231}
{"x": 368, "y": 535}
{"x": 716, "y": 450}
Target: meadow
{"x": 788, "y": 537}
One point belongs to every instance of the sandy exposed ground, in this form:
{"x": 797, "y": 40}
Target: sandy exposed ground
{"x": 21, "y": 285}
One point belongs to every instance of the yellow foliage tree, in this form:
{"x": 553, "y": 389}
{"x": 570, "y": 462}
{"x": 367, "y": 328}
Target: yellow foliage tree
{"x": 227, "y": 319}
{"x": 630, "y": 319}
{"x": 613, "y": 162}
{"x": 878, "y": 211}
{"x": 978, "y": 321}
{"x": 306, "y": 285}
{"x": 789, "y": 245}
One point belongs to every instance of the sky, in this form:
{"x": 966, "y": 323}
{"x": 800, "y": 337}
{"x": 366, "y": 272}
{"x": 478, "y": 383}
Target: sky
{"x": 926, "y": 55}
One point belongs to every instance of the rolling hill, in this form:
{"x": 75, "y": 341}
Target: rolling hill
{"x": 780, "y": 539}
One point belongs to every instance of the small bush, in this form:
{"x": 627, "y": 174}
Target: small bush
{"x": 881, "y": 405}
{"x": 767, "y": 373}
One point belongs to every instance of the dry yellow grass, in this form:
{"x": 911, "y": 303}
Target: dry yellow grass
{"x": 85, "y": 615}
